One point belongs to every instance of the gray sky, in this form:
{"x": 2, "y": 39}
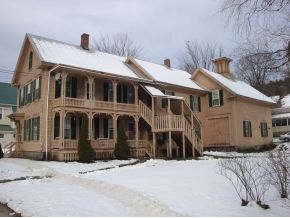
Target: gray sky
{"x": 160, "y": 26}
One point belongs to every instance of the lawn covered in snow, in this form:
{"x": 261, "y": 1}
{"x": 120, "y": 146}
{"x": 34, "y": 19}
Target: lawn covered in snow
{"x": 152, "y": 188}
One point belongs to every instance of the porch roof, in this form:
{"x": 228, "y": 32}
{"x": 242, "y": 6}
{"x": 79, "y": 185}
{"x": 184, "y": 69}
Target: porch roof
{"x": 154, "y": 92}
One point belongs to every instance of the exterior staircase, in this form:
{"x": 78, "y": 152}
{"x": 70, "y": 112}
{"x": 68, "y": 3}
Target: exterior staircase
{"x": 172, "y": 122}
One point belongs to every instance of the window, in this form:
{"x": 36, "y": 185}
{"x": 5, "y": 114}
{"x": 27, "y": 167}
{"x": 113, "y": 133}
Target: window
{"x": 29, "y": 95}
{"x": 71, "y": 87}
{"x": 87, "y": 90}
{"x": 108, "y": 91}
{"x": 70, "y": 127}
{"x": 1, "y": 135}
{"x": 195, "y": 103}
{"x": 125, "y": 94}
{"x": 247, "y": 127}
{"x": 31, "y": 129}
{"x": 216, "y": 98}
{"x": 57, "y": 91}
{"x": 30, "y": 60}
{"x": 1, "y": 113}
{"x": 37, "y": 85}
{"x": 264, "y": 129}
{"x": 280, "y": 122}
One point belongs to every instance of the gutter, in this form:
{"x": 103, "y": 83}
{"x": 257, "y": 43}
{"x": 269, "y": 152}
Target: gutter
{"x": 47, "y": 99}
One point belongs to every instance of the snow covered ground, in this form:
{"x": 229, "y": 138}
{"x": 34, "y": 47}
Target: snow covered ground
{"x": 153, "y": 188}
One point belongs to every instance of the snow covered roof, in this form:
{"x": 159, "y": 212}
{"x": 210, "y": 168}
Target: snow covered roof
{"x": 162, "y": 73}
{"x": 238, "y": 87}
{"x": 53, "y": 51}
{"x": 156, "y": 92}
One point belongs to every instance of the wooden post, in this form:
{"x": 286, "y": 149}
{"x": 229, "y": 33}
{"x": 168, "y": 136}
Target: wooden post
{"x": 136, "y": 95}
{"x": 170, "y": 144}
{"x": 136, "y": 118}
{"x": 115, "y": 83}
{"x": 183, "y": 145}
{"x": 63, "y": 85}
{"x": 90, "y": 126}
{"x": 153, "y": 114}
{"x": 154, "y": 145}
{"x": 115, "y": 118}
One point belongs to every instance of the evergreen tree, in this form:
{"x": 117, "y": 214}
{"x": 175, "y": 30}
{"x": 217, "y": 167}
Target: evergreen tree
{"x": 122, "y": 151}
{"x": 1, "y": 152}
{"x": 85, "y": 151}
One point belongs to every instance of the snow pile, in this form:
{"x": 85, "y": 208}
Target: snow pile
{"x": 152, "y": 188}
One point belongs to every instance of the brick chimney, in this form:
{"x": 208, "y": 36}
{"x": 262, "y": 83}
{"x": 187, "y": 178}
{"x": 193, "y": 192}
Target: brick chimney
{"x": 222, "y": 66}
{"x": 85, "y": 41}
{"x": 167, "y": 62}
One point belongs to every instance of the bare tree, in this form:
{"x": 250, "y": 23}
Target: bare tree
{"x": 247, "y": 177}
{"x": 278, "y": 169}
{"x": 254, "y": 65}
{"x": 197, "y": 55}
{"x": 118, "y": 44}
{"x": 267, "y": 19}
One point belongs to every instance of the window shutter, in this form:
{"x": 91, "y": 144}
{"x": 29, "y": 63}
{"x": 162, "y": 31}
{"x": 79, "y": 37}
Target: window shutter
{"x": 73, "y": 127}
{"x": 38, "y": 127}
{"x": 24, "y": 130}
{"x": 106, "y": 125}
{"x": 250, "y": 127}
{"x": 33, "y": 92}
{"x": 56, "y": 126}
{"x": 191, "y": 101}
{"x": 244, "y": 128}
{"x": 199, "y": 106}
{"x": 39, "y": 91}
{"x": 106, "y": 89}
{"x": 210, "y": 99}
{"x": 97, "y": 128}
{"x": 221, "y": 93}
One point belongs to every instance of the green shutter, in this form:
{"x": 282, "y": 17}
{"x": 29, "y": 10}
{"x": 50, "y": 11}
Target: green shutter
{"x": 73, "y": 127}
{"x": 199, "y": 106}
{"x": 97, "y": 128}
{"x": 250, "y": 127}
{"x": 221, "y": 93}
{"x": 106, "y": 90}
{"x": 106, "y": 126}
{"x": 38, "y": 127}
{"x": 56, "y": 126}
{"x": 39, "y": 91}
{"x": 33, "y": 91}
{"x": 244, "y": 128}
{"x": 210, "y": 99}
{"x": 191, "y": 101}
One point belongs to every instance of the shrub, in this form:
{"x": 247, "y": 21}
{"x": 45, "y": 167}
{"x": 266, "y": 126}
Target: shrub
{"x": 85, "y": 151}
{"x": 122, "y": 150}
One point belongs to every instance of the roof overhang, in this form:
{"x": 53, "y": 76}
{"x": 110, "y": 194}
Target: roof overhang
{"x": 154, "y": 92}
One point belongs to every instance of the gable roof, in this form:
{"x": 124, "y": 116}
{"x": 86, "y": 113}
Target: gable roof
{"x": 236, "y": 87}
{"x": 61, "y": 53}
{"x": 162, "y": 73}
{"x": 8, "y": 94}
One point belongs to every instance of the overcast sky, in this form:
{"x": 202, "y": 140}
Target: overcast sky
{"x": 160, "y": 26}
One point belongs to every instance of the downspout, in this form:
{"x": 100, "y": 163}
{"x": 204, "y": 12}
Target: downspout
{"x": 47, "y": 99}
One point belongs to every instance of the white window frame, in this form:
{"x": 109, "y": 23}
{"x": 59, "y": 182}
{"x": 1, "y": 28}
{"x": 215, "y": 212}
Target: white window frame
{"x": 215, "y": 98}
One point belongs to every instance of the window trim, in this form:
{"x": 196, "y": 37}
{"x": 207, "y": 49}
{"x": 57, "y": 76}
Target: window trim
{"x": 247, "y": 130}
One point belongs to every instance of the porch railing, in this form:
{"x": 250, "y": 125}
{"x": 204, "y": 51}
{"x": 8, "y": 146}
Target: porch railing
{"x": 145, "y": 112}
{"x": 169, "y": 122}
{"x": 103, "y": 143}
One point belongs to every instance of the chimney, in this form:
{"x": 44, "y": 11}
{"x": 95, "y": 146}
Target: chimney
{"x": 167, "y": 62}
{"x": 222, "y": 66}
{"x": 85, "y": 41}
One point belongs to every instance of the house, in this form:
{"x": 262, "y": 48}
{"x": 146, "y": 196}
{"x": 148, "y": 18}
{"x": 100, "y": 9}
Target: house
{"x": 281, "y": 115}
{"x": 235, "y": 114}
{"x": 8, "y": 104}
{"x": 163, "y": 110}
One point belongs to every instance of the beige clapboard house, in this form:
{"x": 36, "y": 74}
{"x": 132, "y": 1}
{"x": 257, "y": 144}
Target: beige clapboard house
{"x": 164, "y": 111}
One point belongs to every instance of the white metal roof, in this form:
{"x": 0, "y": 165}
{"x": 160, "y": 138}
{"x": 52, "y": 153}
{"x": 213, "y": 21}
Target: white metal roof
{"x": 239, "y": 87}
{"x": 156, "y": 92}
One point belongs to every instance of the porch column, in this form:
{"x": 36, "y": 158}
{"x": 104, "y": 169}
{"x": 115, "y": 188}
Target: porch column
{"x": 183, "y": 132}
{"x": 90, "y": 126}
{"x": 170, "y": 144}
{"x": 115, "y": 83}
{"x": 91, "y": 81}
{"x": 136, "y": 118}
{"x": 115, "y": 118}
{"x": 61, "y": 127}
{"x": 63, "y": 85}
{"x": 136, "y": 94}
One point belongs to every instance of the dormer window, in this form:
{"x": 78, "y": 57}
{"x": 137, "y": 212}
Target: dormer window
{"x": 30, "y": 60}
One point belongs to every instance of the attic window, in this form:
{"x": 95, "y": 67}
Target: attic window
{"x": 30, "y": 60}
